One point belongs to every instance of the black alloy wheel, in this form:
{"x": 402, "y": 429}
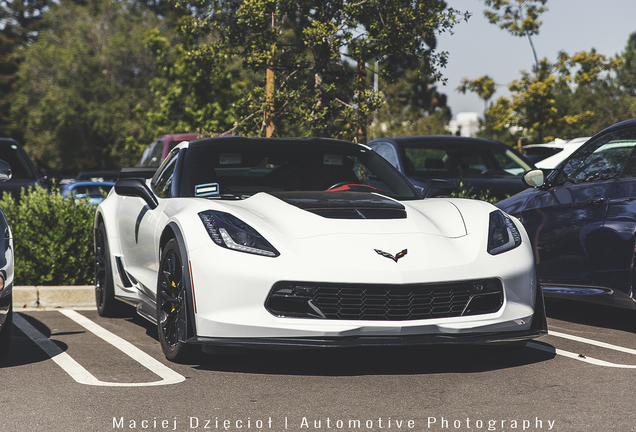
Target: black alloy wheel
{"x": 104, "y": 287}
{"x": 172, "y": 304}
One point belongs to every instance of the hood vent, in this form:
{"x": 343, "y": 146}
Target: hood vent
{"x": 345, "y": 205}
{"x": 360, "y": 213}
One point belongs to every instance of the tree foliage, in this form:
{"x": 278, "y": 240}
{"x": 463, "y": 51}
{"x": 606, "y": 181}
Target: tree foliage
{"x": 546, "y": 104}
{"x": 485, "y": 87}
{"x": 576, "y": 96}
{"x": 20, "y": 23}
{"x": 80, "y": 85}
{"x": 314, "y": 49}
{"x": 196, "y": 89}
{"x": 518, "y": 17}
{"x": 626, "y": 70}
{"x": 411, "y": 105}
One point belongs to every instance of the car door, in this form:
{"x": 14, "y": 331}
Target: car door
{"x": 140, "y": 228}
{"x": 565, "y": 221}
{"x": 615, "y": 244}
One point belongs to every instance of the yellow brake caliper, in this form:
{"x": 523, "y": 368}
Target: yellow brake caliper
{"x": 172, "y": 306}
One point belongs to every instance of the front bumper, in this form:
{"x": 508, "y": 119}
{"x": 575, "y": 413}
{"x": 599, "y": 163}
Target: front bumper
{"x": 230, "y": 299}
{"x": 537, "y": 328}
{"x": 230, "y": 288}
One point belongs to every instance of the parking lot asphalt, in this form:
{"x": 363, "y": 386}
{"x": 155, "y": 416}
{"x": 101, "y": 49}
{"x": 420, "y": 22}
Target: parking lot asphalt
{"x": 53, "y": 296}
{"x": 72, "y": 370}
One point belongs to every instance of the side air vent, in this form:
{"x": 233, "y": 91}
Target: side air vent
{"x": 122, "y": 273}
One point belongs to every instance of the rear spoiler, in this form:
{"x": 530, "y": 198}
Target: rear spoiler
{"x": 137, "y": 172}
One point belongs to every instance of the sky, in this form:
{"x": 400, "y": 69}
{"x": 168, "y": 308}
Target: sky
{"x": 477, "y": 48}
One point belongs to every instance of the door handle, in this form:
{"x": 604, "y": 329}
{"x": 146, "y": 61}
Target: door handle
{"x": 596, "y": 201}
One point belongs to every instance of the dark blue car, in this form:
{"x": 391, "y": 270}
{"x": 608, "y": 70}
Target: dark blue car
{"x": 581, "y": 219}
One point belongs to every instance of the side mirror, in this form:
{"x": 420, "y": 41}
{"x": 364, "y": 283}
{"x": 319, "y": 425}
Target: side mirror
{"x": 435, "y": 188}
{"x": 534, "y": 178}
{"x": 5, "y": 171}
{"x": 136, "y": 187}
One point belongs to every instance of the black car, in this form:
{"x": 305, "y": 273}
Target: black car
{"x": 24, "y": 174}
{"x": 485, "y": 166}
{"x": 581, "y": 219}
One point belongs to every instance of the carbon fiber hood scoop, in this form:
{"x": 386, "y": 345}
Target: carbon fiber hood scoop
{"x": 345, "y": 205}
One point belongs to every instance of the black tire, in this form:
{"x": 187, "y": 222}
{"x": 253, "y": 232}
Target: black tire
{"x": 172, "y": 309}
{"x": 107, "y": 305}
{"x": 5, "y": 333}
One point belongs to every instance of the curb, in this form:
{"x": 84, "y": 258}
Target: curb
{"x": 53, "y": 296}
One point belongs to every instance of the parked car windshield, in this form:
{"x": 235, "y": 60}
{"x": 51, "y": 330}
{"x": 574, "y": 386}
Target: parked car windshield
{"x": 98, "y": 190}
{"x": 245, "y": 167}
{"x": 446, "y": 160}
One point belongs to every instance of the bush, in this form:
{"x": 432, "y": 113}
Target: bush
{"x": 52, "y": 237}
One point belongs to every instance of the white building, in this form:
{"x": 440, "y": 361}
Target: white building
{"x": 466, "y": 124}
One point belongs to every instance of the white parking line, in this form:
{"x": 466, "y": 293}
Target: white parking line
{"x": 581, "y": 357}
{"x": 593, "y": 342}
{"x": 78, "y": 372}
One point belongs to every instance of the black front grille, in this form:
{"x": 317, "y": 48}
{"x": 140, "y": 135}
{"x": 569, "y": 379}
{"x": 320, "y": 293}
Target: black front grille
{"x": 385, "y": 302}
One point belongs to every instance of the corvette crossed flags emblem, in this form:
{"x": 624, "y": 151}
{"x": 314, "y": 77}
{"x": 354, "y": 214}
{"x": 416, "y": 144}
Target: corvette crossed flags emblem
{"x": 388, "y": 255}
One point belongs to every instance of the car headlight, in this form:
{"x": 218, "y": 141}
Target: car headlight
{"x": 230, "y": 232}
{"x": 503, "y": 235}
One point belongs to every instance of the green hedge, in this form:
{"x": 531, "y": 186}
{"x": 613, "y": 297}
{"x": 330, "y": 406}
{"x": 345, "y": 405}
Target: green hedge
{"x": 52, "y": 237}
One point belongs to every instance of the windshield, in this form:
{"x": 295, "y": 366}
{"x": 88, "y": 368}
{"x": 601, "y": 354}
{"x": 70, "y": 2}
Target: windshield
{"x": 243, "y": 167}
{"x": 445, "y": 160}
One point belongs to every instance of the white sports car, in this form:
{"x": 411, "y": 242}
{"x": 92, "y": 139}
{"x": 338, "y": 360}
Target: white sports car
{"x": 288, "y": 243}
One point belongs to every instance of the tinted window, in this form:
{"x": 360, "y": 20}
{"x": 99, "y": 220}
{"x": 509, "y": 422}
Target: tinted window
{"x": 387, "y": 151}
{"x": 145, "y": 158}
{"x": 156, "y": 155}
{"x": 601, "y": 159}
{"x": 165, "y": 176}
{"x": 245, "y": 168}
{"x": 152, "y": 155}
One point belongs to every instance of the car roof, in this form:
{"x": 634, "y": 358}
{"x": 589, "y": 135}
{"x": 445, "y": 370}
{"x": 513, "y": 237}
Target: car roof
{"x": 182, "y": 136}
{"x": 243, "y": 140}
{"x": 442, "y": 139}
{"x": 630, "y": 122}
